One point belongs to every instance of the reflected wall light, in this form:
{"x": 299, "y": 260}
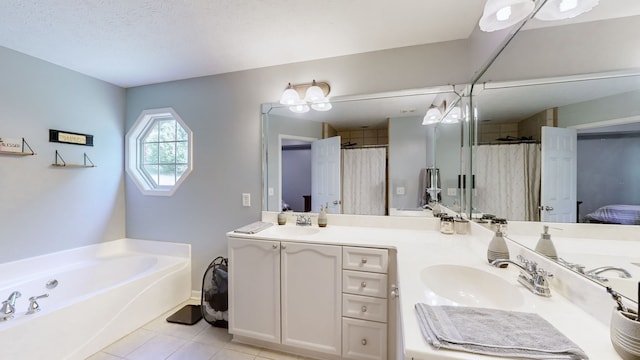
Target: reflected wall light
{"x": 564, "y": 9}
{"x": 453, "y": 116}
{"x": 432, "y": 116}
{"x": 501, "y": 14}
{"x": 315, "y": 95}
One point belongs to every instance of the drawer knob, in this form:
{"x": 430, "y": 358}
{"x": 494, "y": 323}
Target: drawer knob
{"x": 363, "y": 309}
{"x": 275, "y": 246}
{"x": 364, "y": 342}
{"x": 363, "y": 284}
{"x": 364, "y": 260}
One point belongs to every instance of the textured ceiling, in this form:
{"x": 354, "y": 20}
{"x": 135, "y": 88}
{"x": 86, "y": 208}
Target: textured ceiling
{"x": 137, "y": 42}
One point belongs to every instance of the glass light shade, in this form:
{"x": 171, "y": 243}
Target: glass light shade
{"x": 501, "y": 14}
{"x": 453, "y": 116}
{"x": 300, "y": 107}
{"x": 314, "y": 94}
{"x": 322, "y": 106}
{"x": 564, "y": 9}
{"x": 433, "y": 116}
{"x": 290, "y": 97}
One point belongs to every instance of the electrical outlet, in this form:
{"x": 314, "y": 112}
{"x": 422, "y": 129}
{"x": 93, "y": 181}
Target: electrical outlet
{"x": 246, "y": 199}
{"x": 400, "y": 190}
{"x": 270, "y": 191}
{"x": 452, "y": 191}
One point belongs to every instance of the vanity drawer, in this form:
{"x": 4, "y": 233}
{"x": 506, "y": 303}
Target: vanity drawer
{"x": 365, "y": 259}
{"x": 364, "y": 283}
{"x": 364, "y": 307}
{"x": 364, "y": 340}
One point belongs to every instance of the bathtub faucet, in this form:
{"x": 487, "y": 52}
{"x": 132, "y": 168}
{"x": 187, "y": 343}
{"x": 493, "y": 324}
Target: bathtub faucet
{"x": 9, "y": 306}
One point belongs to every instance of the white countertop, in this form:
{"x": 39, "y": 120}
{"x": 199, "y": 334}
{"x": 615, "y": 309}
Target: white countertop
{"x": 419, "y": 244}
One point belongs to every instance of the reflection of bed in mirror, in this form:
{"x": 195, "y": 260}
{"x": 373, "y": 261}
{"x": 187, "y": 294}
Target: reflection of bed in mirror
{"x": 615, "y": 214}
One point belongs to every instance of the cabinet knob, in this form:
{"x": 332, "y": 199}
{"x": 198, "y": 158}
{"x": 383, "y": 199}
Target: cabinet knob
{"x": 275, "y": 246}
{"x": 363, "y": 309}
{"x": 284, "y": 246}
{"x": 363, "y": 284}
{"x": 364, "y": 260}
{"x": 364, "y": 342}
{"x": 394, "y": 294}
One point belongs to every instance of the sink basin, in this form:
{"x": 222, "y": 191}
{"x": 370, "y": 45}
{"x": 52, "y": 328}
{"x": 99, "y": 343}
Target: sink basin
{"x": 462, "y": 285}
{"x": 296, "y": 230}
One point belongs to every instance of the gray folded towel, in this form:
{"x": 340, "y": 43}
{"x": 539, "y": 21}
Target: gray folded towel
{"x": 494, "y": 332}
{"x": 253, "y": 228}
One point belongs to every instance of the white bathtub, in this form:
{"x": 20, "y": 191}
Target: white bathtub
{"x": 104, "y": 292}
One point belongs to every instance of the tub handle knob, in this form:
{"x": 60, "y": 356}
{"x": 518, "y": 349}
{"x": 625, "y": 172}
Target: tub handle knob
{"x": 34, "y": 307}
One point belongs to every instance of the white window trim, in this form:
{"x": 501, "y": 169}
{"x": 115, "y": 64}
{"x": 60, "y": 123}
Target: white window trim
{"x": 133, "y": 152}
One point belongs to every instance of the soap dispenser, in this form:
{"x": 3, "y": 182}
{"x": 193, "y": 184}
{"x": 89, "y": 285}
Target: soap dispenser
{"x": 498, "y": 249}
{"x": 322, "y": 216}
{"x": 545, "y": 245}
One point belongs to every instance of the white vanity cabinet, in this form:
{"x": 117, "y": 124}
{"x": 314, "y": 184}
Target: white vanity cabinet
{"x": 287, "y": 293}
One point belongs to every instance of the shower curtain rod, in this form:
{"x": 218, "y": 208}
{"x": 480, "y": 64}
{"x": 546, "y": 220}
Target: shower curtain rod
{"x": 510, "y": 142}
{"x": 347, "y": 146}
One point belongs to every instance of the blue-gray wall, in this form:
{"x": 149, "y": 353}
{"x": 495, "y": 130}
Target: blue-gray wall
{"x": 224, "y": 113}
{"x": 45, "y": 209}
{"x": 608, "y": 171}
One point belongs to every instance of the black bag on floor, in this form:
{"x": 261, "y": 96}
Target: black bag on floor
{"x": 214, "y": 300}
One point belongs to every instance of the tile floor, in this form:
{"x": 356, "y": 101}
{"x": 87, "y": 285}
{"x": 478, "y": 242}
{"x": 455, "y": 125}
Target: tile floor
{"x": 161, "y": 340}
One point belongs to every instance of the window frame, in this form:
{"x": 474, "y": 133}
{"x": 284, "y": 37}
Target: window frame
{"x": 134, "y": 151}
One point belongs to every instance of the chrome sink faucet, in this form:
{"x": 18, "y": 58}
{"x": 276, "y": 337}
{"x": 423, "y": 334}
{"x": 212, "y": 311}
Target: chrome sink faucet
{"x": 9, "y": 306}
{"x": 303, "y": 220}
{"x": 531, "y": 276}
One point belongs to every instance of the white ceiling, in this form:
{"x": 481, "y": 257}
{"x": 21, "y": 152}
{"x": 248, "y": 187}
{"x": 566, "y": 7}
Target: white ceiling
{"x": 137, "y": 42}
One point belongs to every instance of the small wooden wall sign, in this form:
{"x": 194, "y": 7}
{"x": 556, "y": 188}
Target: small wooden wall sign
{"x": 10, "y": 145}
{"x": 67, "y": 137}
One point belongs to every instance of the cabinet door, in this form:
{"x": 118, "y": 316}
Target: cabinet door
{"x": 311, "y": 296}
{"x": 254, "y": 289}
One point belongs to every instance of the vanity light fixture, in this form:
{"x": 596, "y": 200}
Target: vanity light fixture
{"x": 501, "y": 14}
{"x": 315, "y": 97}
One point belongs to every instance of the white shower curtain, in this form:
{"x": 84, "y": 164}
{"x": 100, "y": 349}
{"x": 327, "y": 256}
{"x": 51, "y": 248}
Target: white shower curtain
{"x": 364, "y": 181}
{"x": 507, "y": 181}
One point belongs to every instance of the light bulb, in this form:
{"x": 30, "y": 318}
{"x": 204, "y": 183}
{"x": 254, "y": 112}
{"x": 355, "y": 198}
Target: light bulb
{"x": 566, "y": 5}
{"x": 504, "y": 13}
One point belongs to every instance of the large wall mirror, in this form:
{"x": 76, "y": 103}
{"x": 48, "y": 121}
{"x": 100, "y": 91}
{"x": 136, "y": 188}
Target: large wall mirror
{"x": 577, "y": 80}
{"x": 383, "y": 132}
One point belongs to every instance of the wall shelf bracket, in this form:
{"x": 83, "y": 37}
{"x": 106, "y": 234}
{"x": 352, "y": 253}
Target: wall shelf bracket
{"x": 87, "y": 163}
{"x": 26, "y": 150}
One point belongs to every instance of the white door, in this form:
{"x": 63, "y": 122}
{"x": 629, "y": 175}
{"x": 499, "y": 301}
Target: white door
{"x": 311, "y": 282}
{"x": 254, "y": 289}
{"x": 325, "y": 175}
{"x": 558, "y": 191}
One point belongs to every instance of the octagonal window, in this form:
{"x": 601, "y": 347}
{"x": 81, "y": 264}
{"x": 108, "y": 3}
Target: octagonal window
{"x": 159, "y": 151}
